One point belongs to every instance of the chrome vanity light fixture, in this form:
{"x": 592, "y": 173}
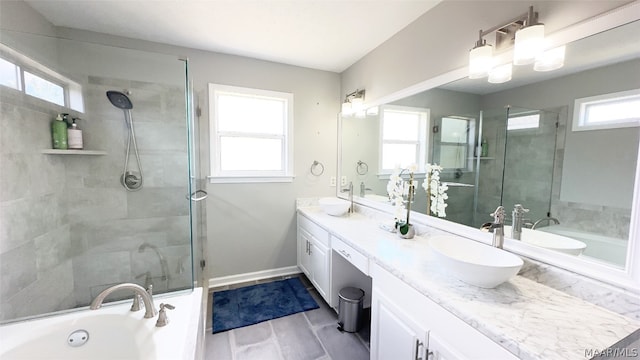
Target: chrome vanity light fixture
{"x": 353, "y": 102}
{"x": 526, "y": 35}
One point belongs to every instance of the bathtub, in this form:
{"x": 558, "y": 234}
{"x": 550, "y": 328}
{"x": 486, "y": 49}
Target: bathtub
{"x": 113, "y": 331}
{"x": 605, "y": 248}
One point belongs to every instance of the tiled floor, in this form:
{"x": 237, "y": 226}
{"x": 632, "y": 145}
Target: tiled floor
{"x": 304, "y": 336}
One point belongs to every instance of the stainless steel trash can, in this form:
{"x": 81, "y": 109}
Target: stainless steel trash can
{"x": 350, "y": 309}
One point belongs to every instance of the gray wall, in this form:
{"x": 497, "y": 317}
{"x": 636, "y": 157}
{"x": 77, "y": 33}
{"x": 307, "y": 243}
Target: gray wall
{"x": 439, "y": 41}
{"x": 250, "y": 227}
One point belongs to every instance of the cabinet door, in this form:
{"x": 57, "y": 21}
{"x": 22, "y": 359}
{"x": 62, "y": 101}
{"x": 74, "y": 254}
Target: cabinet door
{"x": 320, "y": 267}
{"x": 393, "y": 334}
{"x": 440, "y": 350}
{"x": 304, "y": 259}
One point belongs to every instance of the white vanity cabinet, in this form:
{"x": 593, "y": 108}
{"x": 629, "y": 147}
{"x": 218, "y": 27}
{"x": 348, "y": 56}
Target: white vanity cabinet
{"x": 409, "y": 325}
{"x": 314, "y": 256}
{"x": 394, "y": 334}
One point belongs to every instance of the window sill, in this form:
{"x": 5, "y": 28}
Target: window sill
{"x": 249, "y": 179}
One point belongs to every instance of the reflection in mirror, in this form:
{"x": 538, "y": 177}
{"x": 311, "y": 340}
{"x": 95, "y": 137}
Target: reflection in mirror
{"x": 575, "y": 176}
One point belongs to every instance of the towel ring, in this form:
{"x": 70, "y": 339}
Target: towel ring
{"x": 362, "y": 168}
{"x": 314, "y": 168}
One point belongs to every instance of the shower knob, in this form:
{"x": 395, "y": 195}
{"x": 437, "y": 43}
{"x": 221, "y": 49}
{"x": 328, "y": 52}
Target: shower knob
{"x": 131, "y": 180}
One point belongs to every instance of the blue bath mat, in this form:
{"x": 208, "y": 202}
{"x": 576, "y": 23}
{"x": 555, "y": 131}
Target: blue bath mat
{"x": 257, "y": 303}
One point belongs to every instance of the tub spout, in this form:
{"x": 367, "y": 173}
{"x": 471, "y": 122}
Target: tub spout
{"x": 149, "y": 308}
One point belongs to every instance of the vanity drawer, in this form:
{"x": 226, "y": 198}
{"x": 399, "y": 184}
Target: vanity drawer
{"x": 353, "y": 256}
{"x": 312, "y": 228}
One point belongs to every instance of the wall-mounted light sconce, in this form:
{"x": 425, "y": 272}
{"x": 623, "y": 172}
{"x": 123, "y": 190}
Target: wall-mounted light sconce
{"x": 526, "y": 35}
{"x": 353, "y": 102}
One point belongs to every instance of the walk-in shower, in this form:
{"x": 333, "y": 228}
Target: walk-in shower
{"x": 85, "y": 232}
{"x": 131, "y": 180}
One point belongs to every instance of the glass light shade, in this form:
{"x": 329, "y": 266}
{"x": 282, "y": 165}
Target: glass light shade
{"x": 550, "y": 59}
{"x": 357, "y": 104}
{"x": 480, "y": 61}
{"x": 346, "y": 108}
{"x": 528, "y": 44}
{"x": 500, "y": 74}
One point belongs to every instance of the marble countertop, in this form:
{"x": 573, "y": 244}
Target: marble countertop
{"x": 527, "y": 318}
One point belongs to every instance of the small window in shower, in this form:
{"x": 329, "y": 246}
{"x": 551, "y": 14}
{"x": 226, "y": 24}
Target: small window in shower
{"x": 36, "y": 86}
{"x": 25, "y": 74}
{"x": 9, "y": 74}
{"x": 523, "y": 121}
{"x": 251, "y": 132}
{"x": 608, "y": 111}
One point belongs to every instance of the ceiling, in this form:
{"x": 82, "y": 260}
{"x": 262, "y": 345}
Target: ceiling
{"x": 320, "y": 34}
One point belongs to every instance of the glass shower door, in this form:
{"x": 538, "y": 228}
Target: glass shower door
{"x": 529, "y": 160}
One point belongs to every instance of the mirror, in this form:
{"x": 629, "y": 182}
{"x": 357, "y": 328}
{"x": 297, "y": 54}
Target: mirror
{"x": 515, "y": 143}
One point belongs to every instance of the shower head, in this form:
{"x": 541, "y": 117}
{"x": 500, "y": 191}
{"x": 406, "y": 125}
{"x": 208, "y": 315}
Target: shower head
{"x": 119, "y": 100}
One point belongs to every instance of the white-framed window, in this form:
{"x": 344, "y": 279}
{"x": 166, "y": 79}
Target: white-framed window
{"x": 10, "y": 74}
{"x": 251, "y": 132}
{"x": 24, "y": 74}
{"x": 607, "y": 111}
{"x": 403, "y": 137}
{"x": 523, "y": 121}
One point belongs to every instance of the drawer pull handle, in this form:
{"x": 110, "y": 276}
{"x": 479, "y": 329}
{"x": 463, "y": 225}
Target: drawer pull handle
{"x": 344, "y": 253}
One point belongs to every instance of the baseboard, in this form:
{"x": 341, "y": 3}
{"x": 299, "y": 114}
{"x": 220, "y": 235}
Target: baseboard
{"x": 253, "y": 276}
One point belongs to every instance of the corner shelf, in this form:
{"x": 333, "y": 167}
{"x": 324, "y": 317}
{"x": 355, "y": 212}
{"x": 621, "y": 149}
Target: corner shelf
{"x": 73, "y": 152}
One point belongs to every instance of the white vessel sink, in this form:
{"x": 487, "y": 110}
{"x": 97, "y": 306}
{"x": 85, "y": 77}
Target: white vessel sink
{"x": 475, "y": 263}
{"x": 334, "y": 206}
{"x": 550, "y": 241}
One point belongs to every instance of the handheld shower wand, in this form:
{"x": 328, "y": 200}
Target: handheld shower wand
{"x": 131, "y": 180}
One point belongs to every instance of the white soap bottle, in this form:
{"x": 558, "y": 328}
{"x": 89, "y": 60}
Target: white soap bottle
{"x": 74, "y": 136}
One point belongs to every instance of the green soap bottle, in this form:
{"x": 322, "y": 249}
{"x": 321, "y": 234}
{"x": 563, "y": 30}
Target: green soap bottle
{"x": 59, "y": 133}
{"x": 484, "y": 148}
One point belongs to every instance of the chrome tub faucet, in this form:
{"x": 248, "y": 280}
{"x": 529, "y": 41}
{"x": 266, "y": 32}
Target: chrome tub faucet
{"x": 548, "y": 218}
{"x": 139, "y": 291}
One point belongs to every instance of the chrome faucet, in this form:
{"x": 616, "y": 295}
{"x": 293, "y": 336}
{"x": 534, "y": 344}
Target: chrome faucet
{"x": 498, "y": 227}
{"x": 517, "y": 216}
{"x": 163, "y": 320}
{"x": 363, "y": 189}
{"x": 149, "y": 308}
{"x": 350, "y": 190}
{"x": 548, "y": 218}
